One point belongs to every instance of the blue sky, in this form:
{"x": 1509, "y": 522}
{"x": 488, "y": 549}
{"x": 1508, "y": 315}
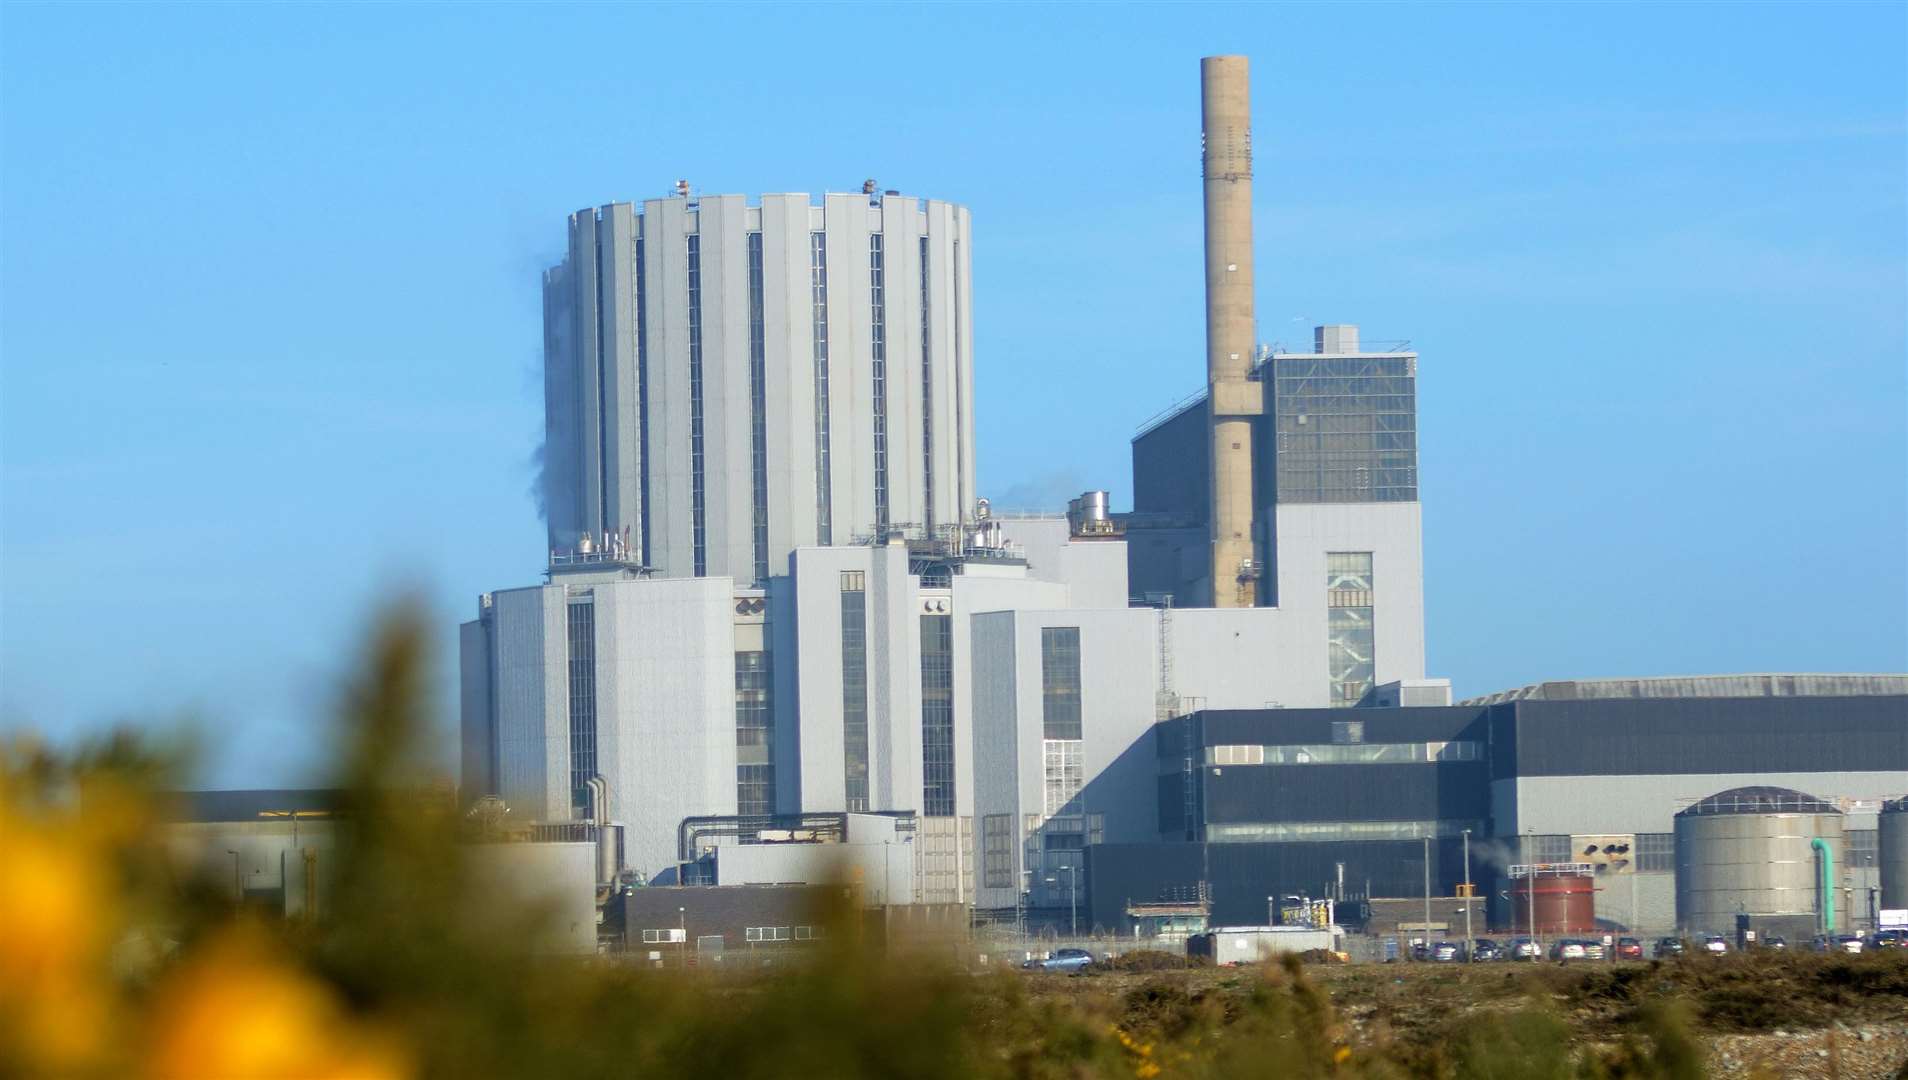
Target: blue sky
{"x": 269, "y": 322}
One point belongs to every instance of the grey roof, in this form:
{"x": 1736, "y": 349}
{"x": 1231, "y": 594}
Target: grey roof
{"x": 247, "y": 804}
{"x": 1760, "y": 684}
{"x": 1760, "y": 800}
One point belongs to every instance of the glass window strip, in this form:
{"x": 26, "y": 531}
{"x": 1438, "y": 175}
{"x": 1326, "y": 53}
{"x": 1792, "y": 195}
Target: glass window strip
{"x": 581, "y": 623}
{"x": 818, "y": 302}
{"x": 758, "y": 412}
{"x": 937, "y": 716}
{"x": 698, "y": 517}
{"x": 854, "y": 692}
{"x": 927, "y": 400}
{"x": 878, "y": 354}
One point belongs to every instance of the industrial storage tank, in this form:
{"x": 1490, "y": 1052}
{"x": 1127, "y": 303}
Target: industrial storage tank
{"x": 1559, "y": 898}
{"x": 1892, "y": 840}
{"x": 1757, "y": 851}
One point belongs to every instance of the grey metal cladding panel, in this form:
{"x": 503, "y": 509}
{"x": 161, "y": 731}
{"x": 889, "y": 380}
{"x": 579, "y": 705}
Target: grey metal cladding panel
{"x": 560, "y": 449}
{"x": 901, "y": 245}
{"x": 1711, "y": 735}
{"x": 616, "y": 236}
{"x": 1298, "y": 727}
{"x": 788, "y": 341}
{"x": 1172, "y": 465}
{"x": 727, "y": 474}
{"x": 666, "y": 255}
{"x": 850, "y": 369}
{"x": 583, "y": 256}
{"x": 964, "y": 352}
{"x": 1172, "y": 802}
{"x": 476, "y": 729}
{"x": 943, "y": 410}
{"x": 1289, "y": 793}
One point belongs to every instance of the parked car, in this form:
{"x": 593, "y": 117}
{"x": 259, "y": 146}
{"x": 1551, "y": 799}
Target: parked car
{"x": 1592, "y": 950}
{"x": 1715, "y": 944}
{"x": 1888, "y": 939}
{"x": 1848, "y": 943}
{"x": 1524, "y": 948}
{"x": 1566, "y": 949}
{"x": 1822, "y": 943}
{"x": 1484, "y": 950}
{"x": 1775, "y": 943}
{"x": 1447, "y": 952}
{"x": 1668, "y": 946}
{"x": 1629, "y": 948}
{"x": 1072, "y": 961}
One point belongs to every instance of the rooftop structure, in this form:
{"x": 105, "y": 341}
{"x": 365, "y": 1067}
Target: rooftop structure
{"x": 1704, "y": 686}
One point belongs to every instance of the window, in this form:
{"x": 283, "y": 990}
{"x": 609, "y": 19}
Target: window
{"x": 668, "y": 936}
{"x": 1350, "y": 644}
{"x": 1348, "y": 731}
{"x": 818, "y": 304}
{"x": 1656, "y": 853}
{"x": 1096, "y": 828}
{"x": 1339, "y": 831}
{"x": 854, "y": 689}
{"x": 1352, "y": 754}
{"x": 1060, "y": 682}
{"x": 878, "y": 353}
{"x": 1546, "y": 848}
{"x": 1863, "y": 848}
{"x": 927, "y": 402}
{"x": 698, "y": 517}
{"x": 997, "y": 851}
{"x": 1064, "y": 778}
{"x": 1346, "y": 428}
{"x": 768, "y": 933}
{"x": 807, "y": 933}
{"x": 937, "y": 715}
{"x": 582, "y": 639}
{"x": 754, "y": 734}
{"x": 758, "y": 410}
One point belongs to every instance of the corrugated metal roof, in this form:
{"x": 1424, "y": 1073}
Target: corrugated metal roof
{"x": 1759, "y": 684}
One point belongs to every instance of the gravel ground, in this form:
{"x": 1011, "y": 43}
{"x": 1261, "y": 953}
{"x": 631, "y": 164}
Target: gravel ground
{"x": 1853, "y": 1052}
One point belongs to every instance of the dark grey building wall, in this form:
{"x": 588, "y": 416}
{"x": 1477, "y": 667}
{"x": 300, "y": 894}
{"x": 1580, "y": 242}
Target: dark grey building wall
{"x": 1455, "y": 791}
{"x": 1242, "y": 876}
{"x": 1698, "y": 735}
{"x": 1171, "y": 464}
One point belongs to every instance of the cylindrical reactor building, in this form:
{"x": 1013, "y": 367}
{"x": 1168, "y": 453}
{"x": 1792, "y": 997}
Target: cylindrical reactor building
{"x": 1892, "y": 839}
{"x": 1754, "y": 851}
{"x": 724, "y": 383}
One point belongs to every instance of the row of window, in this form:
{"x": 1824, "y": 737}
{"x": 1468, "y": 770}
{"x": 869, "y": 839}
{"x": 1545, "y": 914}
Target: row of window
{"x": 1349, "y": 754}
{"x": 758, "y": 411}
{"x": 1339, "y": 831}
{"x": 1350, "y": 642}
{"x": 698, "y": 517}
{"x": 781, "y": 933}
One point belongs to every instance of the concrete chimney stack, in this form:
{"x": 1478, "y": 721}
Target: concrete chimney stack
{"x": 1226, "y": 120}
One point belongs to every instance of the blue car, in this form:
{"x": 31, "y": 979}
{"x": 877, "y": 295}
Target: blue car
{"x": 1067, "y": 960}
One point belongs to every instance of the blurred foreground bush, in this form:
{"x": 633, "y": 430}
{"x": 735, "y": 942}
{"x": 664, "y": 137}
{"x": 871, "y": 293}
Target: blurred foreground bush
{"x": 110, "y": 967}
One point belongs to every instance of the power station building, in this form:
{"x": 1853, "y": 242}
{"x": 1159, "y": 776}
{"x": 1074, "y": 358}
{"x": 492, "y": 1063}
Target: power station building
{"x": 1266, "y": 802}
{"x": 724, "y": 383}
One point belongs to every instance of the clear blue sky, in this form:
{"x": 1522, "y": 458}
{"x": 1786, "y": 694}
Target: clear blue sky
{"x": 271, "y": 319}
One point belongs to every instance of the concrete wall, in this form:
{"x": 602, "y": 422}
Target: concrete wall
{"x": 884, "y": 872}
{"x": 665, "y": 707}
{"x": 528, "y": 655}
{"x": 554, "y": 883}
{"x": 1631, "y": 804}
{"x": 1392, "y": 532}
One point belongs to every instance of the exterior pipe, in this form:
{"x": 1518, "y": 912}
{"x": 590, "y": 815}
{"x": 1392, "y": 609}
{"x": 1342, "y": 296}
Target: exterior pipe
{"x": 1825, "y": 877}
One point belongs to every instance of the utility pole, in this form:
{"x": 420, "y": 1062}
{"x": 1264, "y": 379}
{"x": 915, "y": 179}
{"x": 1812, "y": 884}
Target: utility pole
{"x": 238, "y": 879}
{"x": 1073, "y": 898}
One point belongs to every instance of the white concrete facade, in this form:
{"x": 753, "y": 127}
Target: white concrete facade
{"x": 744, "y": 411}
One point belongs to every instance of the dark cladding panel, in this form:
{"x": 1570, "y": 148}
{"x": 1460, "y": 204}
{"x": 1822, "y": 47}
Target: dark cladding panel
{"x": 1707, "y": 735}
{"x": 1456, "y": 791}
{"x": 1171, "y": 463}
{"x": 1243, "y": 876}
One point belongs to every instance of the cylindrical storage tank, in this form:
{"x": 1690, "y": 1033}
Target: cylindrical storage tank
{"x": 1892, "y": 839}
{"x": 1564, "y": 903}
{"x": 1754, "y": 851}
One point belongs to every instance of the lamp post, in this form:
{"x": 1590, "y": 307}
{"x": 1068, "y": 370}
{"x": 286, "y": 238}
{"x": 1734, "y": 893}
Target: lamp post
{"x": 1427, "y": 896}
{"x": 682, "y": 931}
{"x": 1470, "y": 894}
{"x": 238, "y": 878}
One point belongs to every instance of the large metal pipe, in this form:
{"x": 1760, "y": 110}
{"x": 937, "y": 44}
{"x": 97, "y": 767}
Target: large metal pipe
{"x": 1226, "y": 121}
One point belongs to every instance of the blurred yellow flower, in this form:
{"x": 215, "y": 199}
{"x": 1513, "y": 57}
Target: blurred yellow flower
{"x": 235, "y": 1013}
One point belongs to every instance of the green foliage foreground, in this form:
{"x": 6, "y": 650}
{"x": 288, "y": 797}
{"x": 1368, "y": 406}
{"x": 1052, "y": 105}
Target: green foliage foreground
{"x": 413, "y": 973}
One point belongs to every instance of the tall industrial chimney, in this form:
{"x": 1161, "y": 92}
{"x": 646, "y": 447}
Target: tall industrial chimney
{"x": 1226, "y": 119}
